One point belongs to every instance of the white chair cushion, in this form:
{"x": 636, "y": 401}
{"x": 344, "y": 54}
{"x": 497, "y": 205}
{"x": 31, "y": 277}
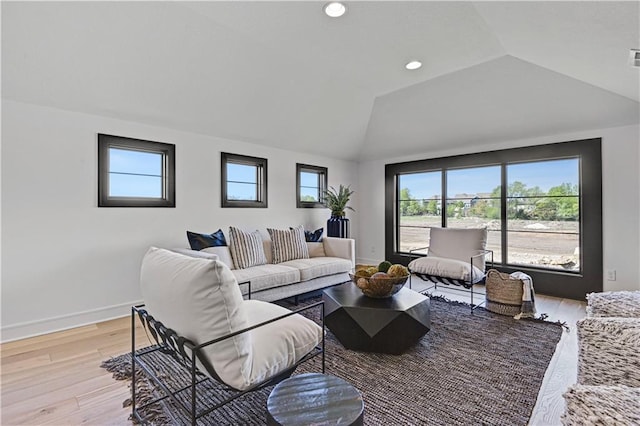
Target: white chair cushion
{"x": 460, "y": 244}
{"x": 447, "y": 268}
{"x": 279, "y": 345}
{"x": 319, "y": 267}
{"x": 267, "y": 276}
{"x": 200, "y": 300}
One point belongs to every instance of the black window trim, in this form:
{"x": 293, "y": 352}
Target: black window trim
{"x": 547, "y": 281}
{"x": 323, "y": 179}
{"x": 261, "y": 180}
{"x": 168, "y": 151}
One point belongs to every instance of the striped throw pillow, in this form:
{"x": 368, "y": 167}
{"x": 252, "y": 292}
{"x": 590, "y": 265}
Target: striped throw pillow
{"x": 288, "y": 244}
{"x": 246, "y": 248}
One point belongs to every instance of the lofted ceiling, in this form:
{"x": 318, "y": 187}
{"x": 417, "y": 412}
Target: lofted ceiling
{"x": 283, "y": 74}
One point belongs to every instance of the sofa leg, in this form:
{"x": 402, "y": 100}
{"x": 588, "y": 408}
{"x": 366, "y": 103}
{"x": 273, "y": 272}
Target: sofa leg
{"x": 295, "y": 300}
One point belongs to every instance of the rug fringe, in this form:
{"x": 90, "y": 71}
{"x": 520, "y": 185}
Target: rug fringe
{"x": 540, "y": 318}
{"x": 121, "y": 369}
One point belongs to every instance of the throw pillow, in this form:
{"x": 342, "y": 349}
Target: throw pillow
{"x": 288, "y": 244}
{"x": 246, "y": 248}
{"x": 313, "y": 236}
{"x": 200, "y": 241}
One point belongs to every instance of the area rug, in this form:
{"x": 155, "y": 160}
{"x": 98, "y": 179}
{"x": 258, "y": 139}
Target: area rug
{"x": 479, "y": 368}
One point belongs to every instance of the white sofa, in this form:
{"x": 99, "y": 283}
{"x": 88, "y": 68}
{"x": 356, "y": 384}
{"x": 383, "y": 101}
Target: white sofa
{"x": 329, "y": 264}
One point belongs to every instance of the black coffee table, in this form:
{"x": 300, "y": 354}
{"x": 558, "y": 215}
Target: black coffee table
{"x": 365, "y": 324}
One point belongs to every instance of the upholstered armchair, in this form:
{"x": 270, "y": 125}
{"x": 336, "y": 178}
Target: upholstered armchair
{"x": 195, "y": 309}
{"x": 454, "y": 257}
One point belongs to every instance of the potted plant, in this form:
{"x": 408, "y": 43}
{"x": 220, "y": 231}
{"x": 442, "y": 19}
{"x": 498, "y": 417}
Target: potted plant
{"x": 336, "y": 201}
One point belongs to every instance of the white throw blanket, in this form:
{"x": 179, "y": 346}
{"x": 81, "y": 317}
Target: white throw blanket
{"x": 528, "y": 309}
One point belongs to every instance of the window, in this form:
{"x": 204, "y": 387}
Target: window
{"x": 542, "y": 207}
{"x": 543, "y": 215}
{"x": 311, "y": 182}
{"x": 135, "y": 173}
{"x": 244, "y": 181}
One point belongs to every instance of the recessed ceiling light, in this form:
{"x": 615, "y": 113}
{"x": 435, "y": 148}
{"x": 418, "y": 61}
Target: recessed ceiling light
{"x": 335, "y": 9}
{"x": 634, "y": 57}
{"x": 413, "y": 65}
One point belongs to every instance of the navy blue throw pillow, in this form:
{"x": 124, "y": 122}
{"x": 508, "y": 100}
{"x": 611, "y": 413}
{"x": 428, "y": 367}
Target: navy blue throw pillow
{"x": 202, "y": 241}
{"x": 313, "y": 237}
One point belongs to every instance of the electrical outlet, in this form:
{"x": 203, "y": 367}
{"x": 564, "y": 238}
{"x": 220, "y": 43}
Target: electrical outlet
{"x": 373, "y": 249}
{"x": 611, "y": 274}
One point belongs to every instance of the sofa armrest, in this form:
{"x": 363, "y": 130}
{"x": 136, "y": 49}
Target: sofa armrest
{"x": 195, "y": 253}
{"x": 344, "y": 248}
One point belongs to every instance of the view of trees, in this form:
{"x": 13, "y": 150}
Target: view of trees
{"x": 558, "y": 203}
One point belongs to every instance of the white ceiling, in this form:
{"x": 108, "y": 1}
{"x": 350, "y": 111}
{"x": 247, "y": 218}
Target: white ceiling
{"x": 285, "y": 75}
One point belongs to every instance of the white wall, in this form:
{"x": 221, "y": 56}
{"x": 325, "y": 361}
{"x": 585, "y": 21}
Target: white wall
{"x": 65, "y": 261}
{"x": 621, "y": 199}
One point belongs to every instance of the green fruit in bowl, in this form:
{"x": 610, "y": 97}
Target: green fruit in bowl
{"x": 384, "y": 266}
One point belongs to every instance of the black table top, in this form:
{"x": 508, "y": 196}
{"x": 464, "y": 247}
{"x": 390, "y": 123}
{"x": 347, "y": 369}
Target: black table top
{"x": 349, "y": 294}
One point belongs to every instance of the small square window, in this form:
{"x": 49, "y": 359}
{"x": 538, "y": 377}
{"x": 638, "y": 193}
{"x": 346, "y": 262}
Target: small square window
{"x": 311, "y": 183}
{"x": 244, "y": 181}
{"x": 135, "y": 173}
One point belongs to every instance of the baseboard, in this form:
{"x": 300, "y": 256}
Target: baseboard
{"x": 64, "y": 322}
{"x": 363, "y": 261}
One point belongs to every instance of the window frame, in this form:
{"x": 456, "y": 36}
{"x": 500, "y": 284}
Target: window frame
{"x": 261, "y": 180}
{"x": 322, "y": 180}
{"x": 168, "y": 152}
{"x": 568, "y": 284}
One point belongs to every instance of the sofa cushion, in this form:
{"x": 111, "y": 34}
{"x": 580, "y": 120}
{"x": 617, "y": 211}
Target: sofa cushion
{"x": 281, "y": 344}
{"x": 267, "y": 276}
{"x": 246, "y": 248}
{"x": 199, "y": 241}
{"x": 318, "y": 266}
{"x": 288, "y": 244}
{"x": 223, "y": 253}
{"x": 316, "y": 249}
{"x": 200, "y": 300}
{"x": 447, "y": 268}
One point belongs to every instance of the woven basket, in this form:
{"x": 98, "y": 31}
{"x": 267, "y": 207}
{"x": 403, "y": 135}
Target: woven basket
{"x": 504, "y": 294}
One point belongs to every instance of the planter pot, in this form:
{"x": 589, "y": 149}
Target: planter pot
{"x": 338, "y": 226}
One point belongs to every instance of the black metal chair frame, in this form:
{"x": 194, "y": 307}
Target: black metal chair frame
{"x": 173, "y": 344}
{"x": 467, "y": 285}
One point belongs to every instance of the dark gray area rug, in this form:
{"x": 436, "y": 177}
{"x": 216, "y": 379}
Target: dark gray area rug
{"x": 470, "y": 369}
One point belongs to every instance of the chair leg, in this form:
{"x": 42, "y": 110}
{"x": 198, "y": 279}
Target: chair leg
{"x": 133, "y": 364}
{"x": 472, "y": 305}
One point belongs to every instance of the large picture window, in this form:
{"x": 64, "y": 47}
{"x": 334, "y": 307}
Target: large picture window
{"x": 244, "y": 181}
{"x": 135, "y": 172}
{"x": 542, "y": 207}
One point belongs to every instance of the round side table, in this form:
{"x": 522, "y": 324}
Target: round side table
{"x": 314, "y": 398}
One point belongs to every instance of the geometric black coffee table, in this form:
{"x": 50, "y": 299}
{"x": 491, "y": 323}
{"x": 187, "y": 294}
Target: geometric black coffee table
{"x": 366, "y": 324}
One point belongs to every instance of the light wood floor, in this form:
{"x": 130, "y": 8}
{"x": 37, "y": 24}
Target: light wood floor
{"x": 56, "y": 379}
